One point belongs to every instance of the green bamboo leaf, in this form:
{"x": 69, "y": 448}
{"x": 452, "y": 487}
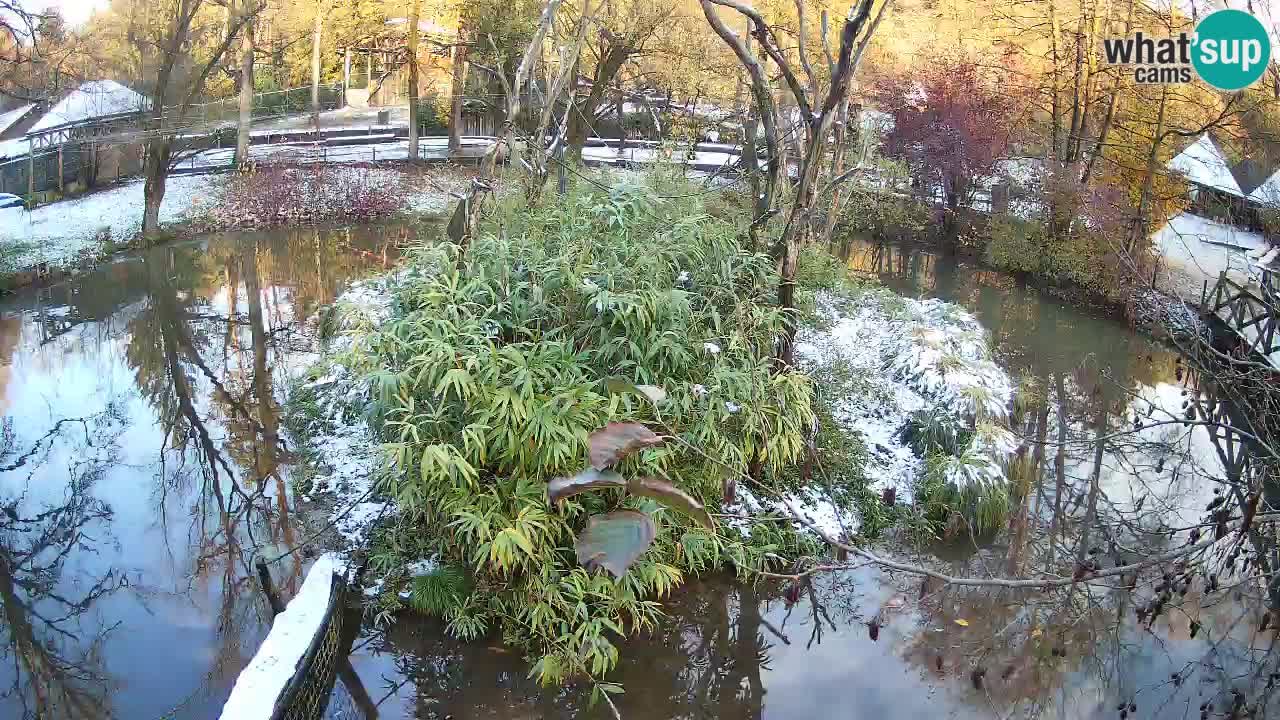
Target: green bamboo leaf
{"x": 615, "y": 541}
{"x": 615, "y": 441}
{"x": 673, "y": 497}
{"x": 520, "y": 539}
{"x": 589, "y": 479}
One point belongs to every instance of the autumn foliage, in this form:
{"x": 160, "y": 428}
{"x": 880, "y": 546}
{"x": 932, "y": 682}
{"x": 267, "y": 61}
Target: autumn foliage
{"x": 951, "y": 125}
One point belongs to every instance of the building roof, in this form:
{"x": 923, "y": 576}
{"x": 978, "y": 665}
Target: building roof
{"x": 1204, "y": 164}
{"x": 16, "y": 147}
{"x": 96, "y": 99}
{"x": 11, "y": 118}
{"x": 1268, "y": 193}
{"x": 1249, "y": 174}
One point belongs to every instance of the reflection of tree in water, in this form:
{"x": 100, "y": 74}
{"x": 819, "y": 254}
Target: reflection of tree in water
{"x": 705, "y": 660}
{"x": 208, "y": 349}
{"x": 54, "y": 655}
{"x": 208, "y": 329}
{"x": 220, "y": 441}
{"x": 1116, "y": 478}
{"x": 1101, "y": 497}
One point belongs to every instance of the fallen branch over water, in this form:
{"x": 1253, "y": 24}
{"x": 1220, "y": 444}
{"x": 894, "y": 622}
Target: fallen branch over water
{"x": 1044, "y": 582}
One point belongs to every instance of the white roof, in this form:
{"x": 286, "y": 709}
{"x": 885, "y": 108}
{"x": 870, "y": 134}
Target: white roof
{"x": 95, "y": 99}
{"x": 1203, "y": 164}
{"x": 16, "y": 147}
{"x": 1268, "y": 193}
{"x": 8, "y": 119}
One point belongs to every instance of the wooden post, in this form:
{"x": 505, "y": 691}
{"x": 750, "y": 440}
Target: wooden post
{"x": 31, "y": 174}
{"x": 269, "y": 588}
{"x": 346, "y": 71}
{"x": 61, "y": 186}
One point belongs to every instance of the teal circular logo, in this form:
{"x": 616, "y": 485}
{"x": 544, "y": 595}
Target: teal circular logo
{"x": 1232, "y": 49}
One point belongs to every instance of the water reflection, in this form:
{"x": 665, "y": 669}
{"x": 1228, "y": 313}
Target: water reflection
{"x": 45, "y": 599}
{"x": 127, "y": 537}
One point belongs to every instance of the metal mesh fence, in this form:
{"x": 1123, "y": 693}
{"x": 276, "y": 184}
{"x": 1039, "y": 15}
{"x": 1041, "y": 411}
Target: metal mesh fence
{"x": 271, "y": 104}
{"x": 69, "y": 167}
{"x": 307, "y": 694}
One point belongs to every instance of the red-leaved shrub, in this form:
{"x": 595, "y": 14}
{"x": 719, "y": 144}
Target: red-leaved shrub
{"x": 277, "y": 194}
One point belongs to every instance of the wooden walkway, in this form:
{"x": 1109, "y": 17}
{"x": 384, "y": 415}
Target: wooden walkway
{"x": 1252, "y": 312}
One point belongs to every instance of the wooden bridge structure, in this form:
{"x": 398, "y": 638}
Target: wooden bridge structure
{"x": 1234, "y": 378}
{"x": 1253, "y": 314}
{"x": 1233, "y": 388}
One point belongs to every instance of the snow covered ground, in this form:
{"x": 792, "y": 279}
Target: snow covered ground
{"x": 1196, "y": 250}
{"x": 61, "y": 233}
{"x": 347, "y": 456}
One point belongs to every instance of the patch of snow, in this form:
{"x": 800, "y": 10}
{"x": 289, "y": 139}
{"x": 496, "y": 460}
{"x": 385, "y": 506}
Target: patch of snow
{"x": 348, "y": 458}
{"x": 905, "y": 355}
{"x": 18, "y": 147}
{"x": 1196, "y": 250}
{"x": 1268, "y": 193}
{"x": 260, "y": 684}
{"x": 348, "y": 455}
{"x": 1175, "y": 316}
{"x": 63, "y": 231}
{"x": 425, "y": 566}
{"x": 913, "y": 355}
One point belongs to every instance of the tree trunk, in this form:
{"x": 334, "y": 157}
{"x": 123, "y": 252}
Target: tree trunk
{"x": 246, "y": 94}
{"x": 837, "y": 167}
{"x": 413, "y": 79}
{"x": 1139, "y": 229}
{"x": 459, "y": 89}
{"x": 156, "y": 173}
{"x": 316, "y": 34}
{"x": 1059, "y": 468}
{"x": 580, "y": 117}
{"x": 1091, "y": 507}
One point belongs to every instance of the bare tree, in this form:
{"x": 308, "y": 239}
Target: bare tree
{"x": 179, "y": 81}
{"x": 624, "y": 31}
{"x": 817, "y": 125}
{"x": 21, "y": 46}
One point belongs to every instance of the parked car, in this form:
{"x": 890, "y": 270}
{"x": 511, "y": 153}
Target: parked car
{"x": 12, "y": 212}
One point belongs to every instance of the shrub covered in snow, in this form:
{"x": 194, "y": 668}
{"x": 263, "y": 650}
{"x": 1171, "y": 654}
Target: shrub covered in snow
{"x": 933, "y": 408}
